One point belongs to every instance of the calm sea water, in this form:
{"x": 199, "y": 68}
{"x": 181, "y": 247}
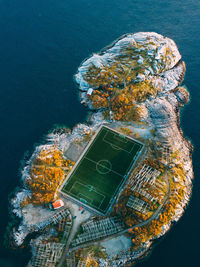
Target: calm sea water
{"x": 42, "y": 42}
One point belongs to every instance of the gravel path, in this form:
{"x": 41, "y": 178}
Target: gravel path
{"x": 80, "y": 217}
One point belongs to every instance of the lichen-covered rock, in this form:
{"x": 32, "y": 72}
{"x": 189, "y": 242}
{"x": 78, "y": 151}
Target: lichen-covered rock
{"x": 135, "y": 89}
{"x": 132, "y": 70}
{"x": 182, "y": 95}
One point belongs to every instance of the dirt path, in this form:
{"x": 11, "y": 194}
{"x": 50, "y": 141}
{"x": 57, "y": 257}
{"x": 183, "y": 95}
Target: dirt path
{"x": 80, "y": 217}
{"x": 72, "y": 234}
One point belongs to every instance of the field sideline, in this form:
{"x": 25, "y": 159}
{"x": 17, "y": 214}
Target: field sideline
{"x": 102, "y": 169}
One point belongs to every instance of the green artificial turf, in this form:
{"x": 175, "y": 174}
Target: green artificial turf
{"x": 102, "y": 169}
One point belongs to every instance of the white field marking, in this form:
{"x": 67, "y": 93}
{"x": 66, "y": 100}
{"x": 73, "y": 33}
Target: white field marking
{"x": 129, "y": 168}
{"x": 88, "y": 186}
{"x": 115, "y": 147}
{"x": 102, "y": 165}
{"x": 112, "y": 144}
{"x": 120, "y": 137}
{"x": 93, "y": 189}
{"x": 86, "y": 150}
{"x": 102, "y": 195}
{"x": 101, "y": 201}
{"x": 96, "y": 191}
{"x": 70, "y": 191}
{"x": 128, "y": 137}
{"x": 122, "y": 181}
{"x": 83, "y": 197}
{"x": 132, "y": 162}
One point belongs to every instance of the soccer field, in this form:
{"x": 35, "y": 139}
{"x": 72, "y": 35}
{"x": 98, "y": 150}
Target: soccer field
{"x": 96, "y": 178}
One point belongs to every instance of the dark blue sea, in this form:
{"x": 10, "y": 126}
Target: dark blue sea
{"x": 42, "y": 43}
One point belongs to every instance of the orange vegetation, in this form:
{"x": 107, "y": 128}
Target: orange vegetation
{"x": 117, "y": 92}
{"x": 91, "y": 262}
{"x": 155, "y": 227}
{"x": 46, "y": 175}
{"x": 131, "y": 217}
{"x": 125, "y": 131}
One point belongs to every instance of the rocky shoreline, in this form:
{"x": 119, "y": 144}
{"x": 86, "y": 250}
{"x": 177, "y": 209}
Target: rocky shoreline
{"x": 157, "y": 66}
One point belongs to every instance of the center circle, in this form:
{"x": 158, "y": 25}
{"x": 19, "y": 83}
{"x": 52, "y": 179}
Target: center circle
{"x": 104, "y": 166}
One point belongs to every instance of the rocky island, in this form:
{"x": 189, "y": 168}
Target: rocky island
{"x": 133, "y": 90}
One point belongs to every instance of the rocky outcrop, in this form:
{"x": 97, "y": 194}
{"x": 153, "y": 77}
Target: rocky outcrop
{"x": 144, "y": 57}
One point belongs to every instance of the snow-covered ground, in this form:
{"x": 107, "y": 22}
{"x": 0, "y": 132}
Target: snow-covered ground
{"x": 157, "y": 47}
{"x": 161, "y": 122}
{"x": 115, "y": 246}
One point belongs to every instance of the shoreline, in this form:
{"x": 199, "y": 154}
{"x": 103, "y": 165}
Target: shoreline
{"x": 167, "y": 101}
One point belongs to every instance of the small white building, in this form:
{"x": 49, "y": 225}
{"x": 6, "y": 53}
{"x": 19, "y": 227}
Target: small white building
{"x": 89, "y": 92}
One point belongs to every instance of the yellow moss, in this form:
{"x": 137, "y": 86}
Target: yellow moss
{"x": 120, "y": 98}
{"x": 46, "y": 175}
{"x": 125, "y": 131}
